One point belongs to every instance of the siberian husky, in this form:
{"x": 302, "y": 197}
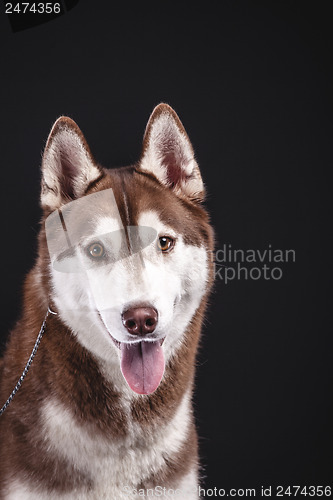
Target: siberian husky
{"x": 118, "y": 291}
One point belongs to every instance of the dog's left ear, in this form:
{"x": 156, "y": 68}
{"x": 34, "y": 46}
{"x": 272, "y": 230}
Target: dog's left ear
{"x": 168, "y": 154}
{"x": 68, "y": 167}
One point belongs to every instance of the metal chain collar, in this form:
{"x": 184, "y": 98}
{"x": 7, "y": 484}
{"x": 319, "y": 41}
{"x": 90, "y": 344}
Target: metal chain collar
{"x": 30, "y": 360}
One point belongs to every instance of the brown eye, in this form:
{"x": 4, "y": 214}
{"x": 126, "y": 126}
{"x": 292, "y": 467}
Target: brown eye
{"x": 96, "y": 250}
{"x": 165, "y": 243}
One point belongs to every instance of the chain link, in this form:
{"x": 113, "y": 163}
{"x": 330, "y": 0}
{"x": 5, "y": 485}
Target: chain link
{"x": 30, "y": 360}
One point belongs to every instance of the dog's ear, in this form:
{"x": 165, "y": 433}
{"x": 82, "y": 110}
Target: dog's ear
{"x": 67, "y": 166}
{"x": 168, "y": 154}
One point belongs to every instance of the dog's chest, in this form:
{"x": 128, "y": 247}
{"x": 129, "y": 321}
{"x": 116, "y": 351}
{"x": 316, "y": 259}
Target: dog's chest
{"x": 111, "y": 465}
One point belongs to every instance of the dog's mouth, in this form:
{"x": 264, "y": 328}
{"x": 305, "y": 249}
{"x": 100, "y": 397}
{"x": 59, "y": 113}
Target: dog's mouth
{"x": 118, "y": 344}
{"x": 142, "y": 365}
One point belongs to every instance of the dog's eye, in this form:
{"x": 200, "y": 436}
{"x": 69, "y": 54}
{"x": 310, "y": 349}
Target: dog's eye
{"x": 165, "y": 243}
{"x": 96, "y": 250}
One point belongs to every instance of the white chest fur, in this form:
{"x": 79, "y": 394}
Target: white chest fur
{"x": 117, "y": 468}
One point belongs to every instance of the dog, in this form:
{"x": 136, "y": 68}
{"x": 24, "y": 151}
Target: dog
{"x": 118, "y": 295}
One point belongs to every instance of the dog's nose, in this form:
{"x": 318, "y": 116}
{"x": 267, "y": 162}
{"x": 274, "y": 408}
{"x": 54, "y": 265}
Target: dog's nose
{"x": 140, "y": 320}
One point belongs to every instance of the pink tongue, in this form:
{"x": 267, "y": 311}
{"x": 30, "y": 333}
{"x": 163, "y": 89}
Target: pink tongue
{"x": 142, "y": 365}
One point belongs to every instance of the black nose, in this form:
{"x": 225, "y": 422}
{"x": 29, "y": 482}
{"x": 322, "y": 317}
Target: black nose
{"x": 140, "y": 320}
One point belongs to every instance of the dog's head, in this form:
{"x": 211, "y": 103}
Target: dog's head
{"x": 129, "y": 248}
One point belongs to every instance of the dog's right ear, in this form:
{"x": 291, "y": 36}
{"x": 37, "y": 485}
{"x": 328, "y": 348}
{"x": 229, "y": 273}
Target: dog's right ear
{"x": 68, "y": 167}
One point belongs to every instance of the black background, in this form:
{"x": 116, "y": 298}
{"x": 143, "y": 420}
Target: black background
{"x": 251, "y": 82}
